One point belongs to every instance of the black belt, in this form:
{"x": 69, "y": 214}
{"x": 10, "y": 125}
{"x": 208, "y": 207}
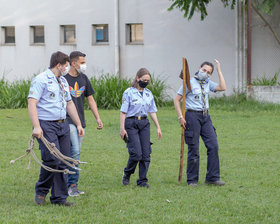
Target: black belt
{"x": 137, "y": 117}
{"x": 59, "y": 121}
{"x": 197, "y": 111}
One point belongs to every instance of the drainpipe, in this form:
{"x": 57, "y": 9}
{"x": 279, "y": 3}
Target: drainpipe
{"x": 249, "y": 45}
{"x": 116, "y": 36}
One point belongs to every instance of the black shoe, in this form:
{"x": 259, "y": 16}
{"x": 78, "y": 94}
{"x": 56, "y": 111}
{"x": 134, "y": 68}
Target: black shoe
{"x": 217, "y": 183}
{"x": 65, "y": 203}
{"x": 39, "y": 199}
{"x": 192, "y": 184}
{"x": 125, "y": 179}
{"x": 144, "y": 185}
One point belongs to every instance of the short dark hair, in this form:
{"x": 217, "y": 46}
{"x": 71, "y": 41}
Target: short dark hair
{"x": 74, "y": 56}
{"x": 209, "y": 64}
{"x": 58, "y": 58}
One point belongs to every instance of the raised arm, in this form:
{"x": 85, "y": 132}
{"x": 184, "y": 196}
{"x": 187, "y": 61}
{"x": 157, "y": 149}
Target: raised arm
{"x": 222, "y": 83}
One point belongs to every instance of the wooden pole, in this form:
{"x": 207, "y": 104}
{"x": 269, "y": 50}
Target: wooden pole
{"x": 183, "y": 113}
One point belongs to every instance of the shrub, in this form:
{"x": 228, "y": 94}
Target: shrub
{"x": 109, "y": 90}
{"x": 14, "y": 95}
{"x": 263, "y": 81}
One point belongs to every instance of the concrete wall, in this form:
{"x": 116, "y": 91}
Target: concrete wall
{"x": 167, "y": 38}
{"x": 270, "y": 94}
{"x": 265, "y": 48}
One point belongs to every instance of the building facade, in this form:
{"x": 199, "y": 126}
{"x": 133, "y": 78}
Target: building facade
{"x": 121, "y": 36}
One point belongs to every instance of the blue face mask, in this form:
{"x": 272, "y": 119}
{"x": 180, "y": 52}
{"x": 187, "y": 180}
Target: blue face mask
{"x": 202, "y": 75}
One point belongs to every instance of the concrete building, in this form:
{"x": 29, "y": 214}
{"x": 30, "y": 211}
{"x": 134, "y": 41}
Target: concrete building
{"x": 121, "y": 36}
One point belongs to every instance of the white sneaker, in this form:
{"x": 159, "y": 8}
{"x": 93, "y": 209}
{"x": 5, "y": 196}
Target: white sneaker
{"x": 73, "y": 191}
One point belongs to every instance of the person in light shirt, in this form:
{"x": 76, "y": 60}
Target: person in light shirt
{"x": 48, "y": 101}
{"x": 137, "y": 103}
{"x": 197, "y": 122}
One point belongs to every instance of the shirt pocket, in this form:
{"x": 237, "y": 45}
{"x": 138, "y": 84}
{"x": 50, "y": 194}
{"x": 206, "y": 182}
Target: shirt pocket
{"x": 52, "y": 91}
{"x": 197, "y": 94}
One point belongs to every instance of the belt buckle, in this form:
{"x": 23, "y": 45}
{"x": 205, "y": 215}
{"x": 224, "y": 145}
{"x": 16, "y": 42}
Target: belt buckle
{"x": 60, "y": 121}
{"x": 139, "y": 118}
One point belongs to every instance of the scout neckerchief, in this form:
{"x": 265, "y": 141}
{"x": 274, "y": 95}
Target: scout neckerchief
{"x": 202, "y": 82}
{"x": 62, "y": 90}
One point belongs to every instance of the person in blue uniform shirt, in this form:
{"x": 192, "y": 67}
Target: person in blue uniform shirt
{"x": 137, "y": 103}
{"x": 197, "y": 122}
{"x": 80, "y": 88}
{"x": 48, "y": 101}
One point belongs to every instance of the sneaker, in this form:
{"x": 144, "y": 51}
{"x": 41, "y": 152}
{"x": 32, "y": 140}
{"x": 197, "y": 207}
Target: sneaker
{"x": 125, "y": 179}
{"x": 217, "y": 183}
{"x": 39, "y": 199}
{"x": 192, "y": 184}
{"x": 65, "y": 203}
{"x": 144, "y": 185}
{"x": 81, "y": 192}
{"x": 73, "y": 191}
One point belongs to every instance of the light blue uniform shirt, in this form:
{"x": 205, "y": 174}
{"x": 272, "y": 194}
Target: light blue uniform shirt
{"x": 194, "y": 99}
{"x": 51, "y": 99}
{"x": 134, "y": 104}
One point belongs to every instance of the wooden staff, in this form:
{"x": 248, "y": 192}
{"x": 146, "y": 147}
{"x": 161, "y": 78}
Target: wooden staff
{"x": 186, "y": 82}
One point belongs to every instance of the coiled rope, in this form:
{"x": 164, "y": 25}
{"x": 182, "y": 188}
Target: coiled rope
{"x": 55, "y": 152}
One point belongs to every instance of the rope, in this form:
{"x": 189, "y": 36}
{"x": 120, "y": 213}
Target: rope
{"x": 54, "y": 151}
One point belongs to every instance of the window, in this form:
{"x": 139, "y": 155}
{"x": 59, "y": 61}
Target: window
{"x": 37, "y": 35}
{"x": 100, "y": 34}
{"x": 134, "y": 33}
{"x": 8, "y": 35}
{"x": 67, "y": 34}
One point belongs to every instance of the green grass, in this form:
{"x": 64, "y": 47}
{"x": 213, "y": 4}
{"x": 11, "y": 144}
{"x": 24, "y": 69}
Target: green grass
{"x": 249, "y": 160}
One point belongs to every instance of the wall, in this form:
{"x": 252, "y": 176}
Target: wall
{"x": 167, "y": 38}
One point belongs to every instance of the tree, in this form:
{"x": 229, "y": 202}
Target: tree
{"x": 260, "y": 6}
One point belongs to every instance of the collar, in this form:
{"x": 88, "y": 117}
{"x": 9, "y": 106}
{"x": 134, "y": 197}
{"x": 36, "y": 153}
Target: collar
{"x": 136, "y": 91}
{"x": 50, "y": 74}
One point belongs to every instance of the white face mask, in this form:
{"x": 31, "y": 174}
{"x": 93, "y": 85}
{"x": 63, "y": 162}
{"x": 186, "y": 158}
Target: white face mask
{"x": 202, "y": 75}
{"x": 82, "y": 69}
{"x": 65, "y": 71}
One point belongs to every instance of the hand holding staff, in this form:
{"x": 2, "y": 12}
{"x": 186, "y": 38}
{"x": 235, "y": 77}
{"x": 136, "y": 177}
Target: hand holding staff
{"x": 186, "y": 82}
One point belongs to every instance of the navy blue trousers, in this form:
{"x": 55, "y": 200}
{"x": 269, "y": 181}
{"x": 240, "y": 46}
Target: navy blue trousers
{"x": 139, "y": 148}
{"x": 201, "y": 125}
{"x": 59, "y": 134}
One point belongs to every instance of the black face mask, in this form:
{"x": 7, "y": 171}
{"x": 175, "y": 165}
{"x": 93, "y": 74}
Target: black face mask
{"x": 142, "y": 84}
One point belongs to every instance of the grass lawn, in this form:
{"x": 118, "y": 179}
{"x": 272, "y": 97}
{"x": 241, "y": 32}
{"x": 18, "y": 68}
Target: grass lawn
{"x": 249, "y": 160}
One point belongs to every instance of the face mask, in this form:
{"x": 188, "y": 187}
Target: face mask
{"x": 202, "y": 75}
{"x": 142, "y": 84}
{"x": 82, "y": 68}
{"x": 65, "y": 71}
